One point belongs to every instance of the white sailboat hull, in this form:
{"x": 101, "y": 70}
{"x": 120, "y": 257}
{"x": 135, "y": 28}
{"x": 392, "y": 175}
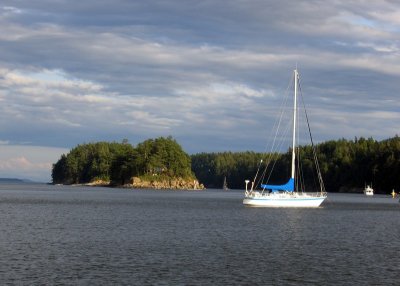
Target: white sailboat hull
{"x": 296, "y": 200}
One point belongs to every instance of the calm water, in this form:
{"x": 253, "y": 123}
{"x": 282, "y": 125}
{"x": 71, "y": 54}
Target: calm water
{"x": 99, "y": 236}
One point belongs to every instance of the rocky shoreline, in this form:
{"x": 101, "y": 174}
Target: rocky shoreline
{"x": 172, "y": 183}
{"x": 140, "y": 183}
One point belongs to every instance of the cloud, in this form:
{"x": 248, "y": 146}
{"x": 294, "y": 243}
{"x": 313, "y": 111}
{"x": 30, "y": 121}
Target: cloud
{"x": 9, "y": 10}
{"x": 207, "y": 73}
{"x": 22, "y": 164}
{"x": 28, "y": 162}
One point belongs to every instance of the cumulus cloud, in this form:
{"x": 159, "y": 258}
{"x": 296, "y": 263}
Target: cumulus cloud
{"x": 28, "y": 162}
{"x": 9, "y": 10}
{"x": 22, "y": 164}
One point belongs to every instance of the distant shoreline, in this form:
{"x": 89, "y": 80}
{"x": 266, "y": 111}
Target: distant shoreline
{"x": 15, "y": 180}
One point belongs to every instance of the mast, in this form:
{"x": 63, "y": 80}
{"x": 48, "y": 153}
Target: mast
{"x": 294, "y": 122}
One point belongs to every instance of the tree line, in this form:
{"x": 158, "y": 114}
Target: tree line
{"x": 346, "y": 165}
{"x": 119, "y": 162}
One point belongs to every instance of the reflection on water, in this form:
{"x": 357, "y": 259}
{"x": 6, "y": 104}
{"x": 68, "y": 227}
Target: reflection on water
{"x": 100, "y": 236}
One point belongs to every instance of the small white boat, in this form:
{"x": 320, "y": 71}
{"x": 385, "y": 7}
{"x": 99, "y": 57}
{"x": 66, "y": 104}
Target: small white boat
{"x": 368, "y": 191}
{"x": 292, "y": 193}
{"x": 225, "y": 185}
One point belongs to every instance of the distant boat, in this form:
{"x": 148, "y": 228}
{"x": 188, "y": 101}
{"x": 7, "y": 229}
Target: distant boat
{"x": 292, "y": 193}
{"x": 368, "y": 191}
{"x": 225, "y": 185}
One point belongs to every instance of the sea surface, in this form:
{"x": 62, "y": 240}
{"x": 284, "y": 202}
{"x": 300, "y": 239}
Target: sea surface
{"x": 64, "y": 235}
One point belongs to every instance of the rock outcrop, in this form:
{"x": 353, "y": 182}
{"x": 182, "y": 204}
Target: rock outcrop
{"x": 171, "y": 183}
{"x": 98, "y": 183}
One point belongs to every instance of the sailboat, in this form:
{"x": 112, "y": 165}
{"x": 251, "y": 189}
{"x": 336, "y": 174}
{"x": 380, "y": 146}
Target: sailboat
{"x": 290, "y": 194}
{"x": 225, "y": 185}
{"x": 369, "y": 191}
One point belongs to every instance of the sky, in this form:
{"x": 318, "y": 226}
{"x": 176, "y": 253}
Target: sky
{"x": 208, "y": 73}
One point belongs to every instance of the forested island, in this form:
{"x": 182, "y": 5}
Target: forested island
{"x": 155, "y": 163}
{"x": 346, "y": 165}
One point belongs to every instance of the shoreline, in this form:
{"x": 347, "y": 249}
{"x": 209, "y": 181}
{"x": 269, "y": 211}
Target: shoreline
{"x": 138, "y": 183}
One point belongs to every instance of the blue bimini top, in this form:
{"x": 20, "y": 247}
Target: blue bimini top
{"x": 289, "y": 186}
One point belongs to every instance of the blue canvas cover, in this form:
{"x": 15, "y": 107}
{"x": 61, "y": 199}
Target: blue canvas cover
{"x": 289, "y": 186}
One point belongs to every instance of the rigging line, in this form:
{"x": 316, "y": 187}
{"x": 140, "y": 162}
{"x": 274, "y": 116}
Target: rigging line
{"x": 277, "y": 124}
{"x": 276, "y": 128}
{"x": 322, "y": 186}
{"x": 300, "y": 182}
{"x": 312, "y": 169}
{"x": 302, "y": 156}
{"x": 276, "y": 155}
{"x": 284, "y": 104}
{"x": 278, "y": 121}
{"x": 282, "y": 138}
{"x": 298, "y": 174}
{"x": 301, "y": 171}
